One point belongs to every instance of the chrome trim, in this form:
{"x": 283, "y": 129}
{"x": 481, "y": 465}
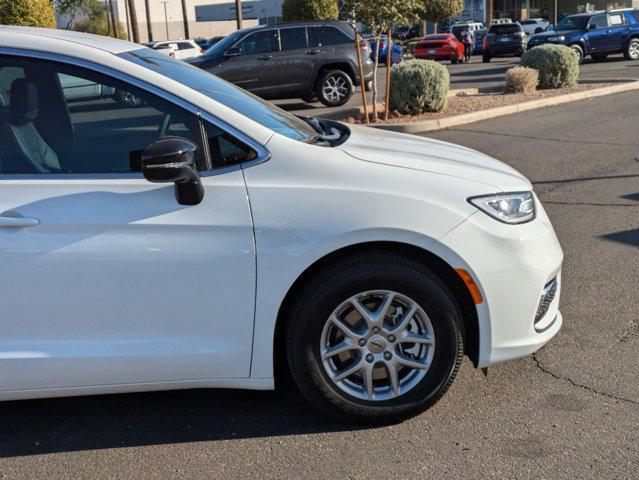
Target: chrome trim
{"x": 262, "y": 153}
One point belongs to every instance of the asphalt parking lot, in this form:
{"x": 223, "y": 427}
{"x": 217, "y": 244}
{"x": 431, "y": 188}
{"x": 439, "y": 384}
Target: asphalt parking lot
{"x": 472, "y": 75}
{"x": 570, "y": 411}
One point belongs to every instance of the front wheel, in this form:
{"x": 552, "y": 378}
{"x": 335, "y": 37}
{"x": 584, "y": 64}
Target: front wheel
{"x": 578, "y": 51}
{"x": 334, "y": 88}
{"x": 374, "y": 339}
{"x": 631, "y": 52}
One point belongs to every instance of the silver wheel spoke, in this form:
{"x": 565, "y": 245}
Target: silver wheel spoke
{"x": 366, "y": 314}
{"x": 392, "y": 377}
{"x": 342, "y": 347}
{"x": 409, "y": 337}
{"x": 348, "y": 371}
{"x": 408, "y": 316}
{"x": 408, "y": 362}
{"x": 367, "y": 375}
{"x": 345, "y": 328}
{"x": 383, "y": 309}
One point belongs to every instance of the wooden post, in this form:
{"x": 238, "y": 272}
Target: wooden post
{"x": 361, "y": 76}
{"x": 238, "y": 14}
{"x": 187, "y": 33}
{"x": 149, "y": 25}
{"x": 389, "y": 58}
{"x": 135, "y": 32}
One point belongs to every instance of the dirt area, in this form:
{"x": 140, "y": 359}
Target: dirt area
{"x": 483, "y": 101}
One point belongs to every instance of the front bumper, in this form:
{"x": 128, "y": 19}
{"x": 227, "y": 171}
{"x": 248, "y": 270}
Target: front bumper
{"x": 512, "y": 265}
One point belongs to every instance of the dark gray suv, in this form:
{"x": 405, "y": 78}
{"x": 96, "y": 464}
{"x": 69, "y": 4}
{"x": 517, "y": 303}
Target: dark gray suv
{"x": 309, "y": 60}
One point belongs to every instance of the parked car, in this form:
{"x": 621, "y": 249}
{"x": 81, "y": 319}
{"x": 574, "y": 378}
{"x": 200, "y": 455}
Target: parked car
{"x": 501, "y": 21}
{"x": 442, "y": 46}
{"x": 534, "y": 25}
{"x": 504, "y": 40}
{"x": 205, "y": 44}
{"x": 396, "y": 50}
{"x": 478, "y": 47}
{"x": 199, "y": 240}
{"x": 597, "y": 34}
{"x": 305, "y": 59}
{"x": 180, "y": 49}
{"x": 458, "y": 28}
{"x": 406, "y": 33}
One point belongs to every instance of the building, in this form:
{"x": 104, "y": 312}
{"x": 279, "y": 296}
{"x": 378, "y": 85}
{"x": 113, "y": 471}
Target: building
{"x": 207, "y": 18}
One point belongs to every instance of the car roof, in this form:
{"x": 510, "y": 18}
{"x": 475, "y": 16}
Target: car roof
{"x": 40, "y": 38}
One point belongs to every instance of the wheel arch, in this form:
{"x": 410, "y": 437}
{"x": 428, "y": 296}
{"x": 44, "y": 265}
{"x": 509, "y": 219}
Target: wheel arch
{"x": 346, "y": 67}
{"x": 434, "y": 262}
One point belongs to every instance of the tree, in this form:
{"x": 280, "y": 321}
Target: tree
{"x": 489, "y": 12}
{"x": 135, "y": 31}
{"x": 438, "y": 10}
{"x": 300, "y": 10}
{"x": 91, "y": 16}
{"x": 116, "y": 32}
{"x": 31, "y": 13}
{"x": 379, "y": 16}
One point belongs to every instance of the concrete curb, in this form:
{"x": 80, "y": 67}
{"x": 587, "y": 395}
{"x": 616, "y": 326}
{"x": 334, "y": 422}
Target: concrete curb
{"x": 438, "y": 124}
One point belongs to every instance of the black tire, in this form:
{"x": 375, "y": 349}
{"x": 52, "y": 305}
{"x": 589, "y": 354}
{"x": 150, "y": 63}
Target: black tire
{"x": 579, "y": 51}
{"x": 599, "y": 57}
{"x": 631, "y": 50}
{"x": 486, "y": 58}
{"x": 341, "y": 83}
{"x": 454, "y": 61}
{"x": 328, "y": 288}
{"x": 538, "y": 30}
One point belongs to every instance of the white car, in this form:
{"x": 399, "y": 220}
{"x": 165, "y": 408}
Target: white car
{"x": 180, "y": 49}
{"x": 203, "y": 236}
{"x": 501, "y": 21}
{"x": 534, "y": 25}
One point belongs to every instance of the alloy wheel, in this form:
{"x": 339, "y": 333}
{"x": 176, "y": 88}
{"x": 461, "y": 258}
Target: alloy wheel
{"x": 335, "y": 88}
{"x": 633, "y": 49}
{"x": 377, "y": 345}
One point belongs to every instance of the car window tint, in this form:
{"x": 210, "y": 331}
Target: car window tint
{"x": 185, "y": 46}
{"x": 7, "y": 75}
{"x": 293, "y": 38}
{"x": 505, "y": 28}
{"x": 64, "y": 119}
{"x": 333, "y": 36}
{"x": 226, "y": 150}
{"x": 260, "y": 42}
{"x": 615, "y": 19}
{"x": 635, "y": 15}
{"x": 600, "y": 21}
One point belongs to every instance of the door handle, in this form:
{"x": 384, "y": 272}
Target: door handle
{"x": 312, "y": 52}
{"x": 265, "y": 57}
{"x": 18, "y": 222}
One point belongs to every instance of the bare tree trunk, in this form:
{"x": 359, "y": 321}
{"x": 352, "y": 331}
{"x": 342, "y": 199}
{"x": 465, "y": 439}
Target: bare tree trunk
{"x": 489, "y": 12}
{"x": 378, "y": 38}
{"x": 135, "y": 32}
{"x": 423, "y": 22}
{"x": 116, "y": 31}
{"x": 238, "y": 13}
{"x": 186, "y": 20}
{"x": 362, "y": 84}
{"x": 389, "y": 62}
{"x": 149, "y": 25}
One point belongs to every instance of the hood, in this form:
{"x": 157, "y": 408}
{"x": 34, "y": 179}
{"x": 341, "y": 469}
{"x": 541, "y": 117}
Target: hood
{"x": 428, "y": 155}
{"x": 553, "y": 33}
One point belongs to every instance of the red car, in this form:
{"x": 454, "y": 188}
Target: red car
{"x": 440, "y": 46}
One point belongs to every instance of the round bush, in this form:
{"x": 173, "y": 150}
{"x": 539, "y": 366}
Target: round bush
{"x": 558, "y": 65}
{"x": 521, "y": 80}
{"x": 418, "y": 86}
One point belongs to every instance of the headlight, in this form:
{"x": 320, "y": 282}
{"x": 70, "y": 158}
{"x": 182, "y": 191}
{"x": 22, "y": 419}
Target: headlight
{"x": 518, "y": 207}
{"x": 558, "y": 38}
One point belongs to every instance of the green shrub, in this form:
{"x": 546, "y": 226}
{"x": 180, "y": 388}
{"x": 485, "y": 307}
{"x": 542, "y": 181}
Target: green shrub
{"x": 30, "y": 13}
{"x": 418, "y": 86}
{"x": 558, "y": 65}
{"x": 521, "y": 80}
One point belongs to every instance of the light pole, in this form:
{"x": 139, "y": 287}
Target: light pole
{"x": 238, "y": 13}
{"x": 166, "y": 18}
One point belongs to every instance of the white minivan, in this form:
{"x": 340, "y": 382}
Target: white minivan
{"x": 196, "y": 238}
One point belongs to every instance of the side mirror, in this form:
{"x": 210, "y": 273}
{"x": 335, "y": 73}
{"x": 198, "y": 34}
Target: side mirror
{"x": 172, "y": 160}
{"x": 233, "y": 51}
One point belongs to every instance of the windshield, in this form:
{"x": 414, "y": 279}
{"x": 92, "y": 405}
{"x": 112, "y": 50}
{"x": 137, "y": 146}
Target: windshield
{"x": 218, "y": 48}
{"x": 505, "y": 28}
{"x": 243, "y": 102}
{"x": 572, "y": 23}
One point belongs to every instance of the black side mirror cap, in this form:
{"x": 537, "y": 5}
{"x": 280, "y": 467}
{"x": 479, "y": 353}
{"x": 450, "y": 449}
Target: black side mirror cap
{"x": 233, "y": 52}
{"x": 172, "y": 160}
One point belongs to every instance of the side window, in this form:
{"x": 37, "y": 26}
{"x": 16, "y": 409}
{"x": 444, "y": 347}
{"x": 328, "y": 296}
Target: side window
{"x": 65, "y": 119}
{"x": 616, "y": 19}
{"x": 313, "y": 36}
{"x": 293, "y": 38}
{"x": 600, "y": 21}
{"x": 635, "y": 15}
{"x": 7, "y": 75}
{"x": 226, "y": 150}
{"x": 185, "y": 46}
{"x": 260, "y": 42}
{"x": 333, "y": 36}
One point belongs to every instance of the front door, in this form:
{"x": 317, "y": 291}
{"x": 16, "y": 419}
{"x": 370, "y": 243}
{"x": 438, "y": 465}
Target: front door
{"x": 597, "y": 33}
{"x": 105, "y": 278}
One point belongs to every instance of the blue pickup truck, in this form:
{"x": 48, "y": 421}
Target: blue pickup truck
{"x": 597, "y": 34}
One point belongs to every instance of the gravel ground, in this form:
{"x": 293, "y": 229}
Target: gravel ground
{"x": 484, "y": 101}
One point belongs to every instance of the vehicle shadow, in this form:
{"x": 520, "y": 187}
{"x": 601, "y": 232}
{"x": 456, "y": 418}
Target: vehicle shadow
{"x": 37, "y": 427}
{"x": 629, "y": 237}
